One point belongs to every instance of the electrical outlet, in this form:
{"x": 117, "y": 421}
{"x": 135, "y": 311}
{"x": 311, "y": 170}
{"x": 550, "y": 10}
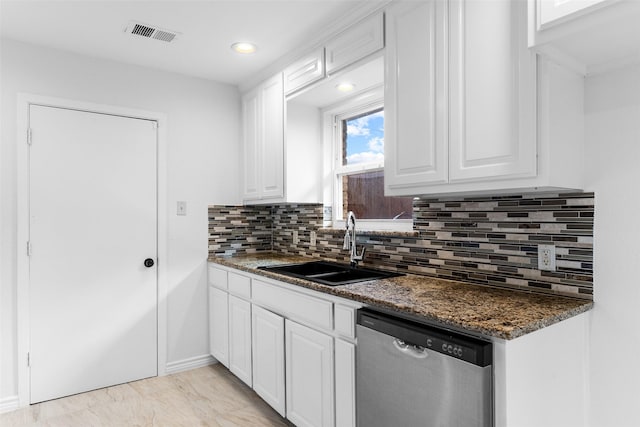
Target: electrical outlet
{"x": 182, "y": 208}
{"x": 296, "y": 239}
{"x": 312, "y": 239}
{"x": 547, "y": 257}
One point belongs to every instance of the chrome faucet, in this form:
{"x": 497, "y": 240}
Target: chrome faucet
{"x": 350, "y": 240}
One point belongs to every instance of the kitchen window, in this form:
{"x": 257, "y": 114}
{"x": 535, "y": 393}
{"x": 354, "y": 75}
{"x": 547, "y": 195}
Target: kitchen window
{"x": 358, "y": 170}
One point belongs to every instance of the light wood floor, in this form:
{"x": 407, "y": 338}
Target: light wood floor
{"x": 209, "y": 396}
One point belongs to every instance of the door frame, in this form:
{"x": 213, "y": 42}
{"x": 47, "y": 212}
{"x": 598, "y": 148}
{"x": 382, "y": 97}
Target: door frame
{"x": 25, "y": 100}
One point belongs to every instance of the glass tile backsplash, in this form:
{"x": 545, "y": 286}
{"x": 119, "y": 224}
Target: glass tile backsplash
{"x": 483, "y": 240}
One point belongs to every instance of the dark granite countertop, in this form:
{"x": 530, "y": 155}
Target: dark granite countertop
{"x": 490, "y": 312}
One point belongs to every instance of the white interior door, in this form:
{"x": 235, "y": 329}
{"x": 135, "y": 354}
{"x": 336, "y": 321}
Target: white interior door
{"x": 93, "y": 222}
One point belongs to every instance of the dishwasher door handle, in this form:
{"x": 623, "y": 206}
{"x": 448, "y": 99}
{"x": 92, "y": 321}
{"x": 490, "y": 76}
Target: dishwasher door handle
{"x": 416, "y": 351}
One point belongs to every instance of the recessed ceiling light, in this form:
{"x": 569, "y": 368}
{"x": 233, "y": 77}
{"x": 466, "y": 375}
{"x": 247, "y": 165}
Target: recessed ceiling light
{"x": 345, "y": 87}
{"x": 244, "y": 47}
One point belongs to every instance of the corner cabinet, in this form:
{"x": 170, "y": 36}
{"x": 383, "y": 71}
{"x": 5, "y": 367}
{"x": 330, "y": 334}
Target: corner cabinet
{"x": 461, "y": 103}
{"x": 263, "y": 141}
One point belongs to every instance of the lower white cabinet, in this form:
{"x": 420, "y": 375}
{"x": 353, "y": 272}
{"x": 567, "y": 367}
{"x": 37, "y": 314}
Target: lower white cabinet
{"x": 309, "y": 376}
{"x": 295, "y": 349}
{"x": 219, "y": 325}
{"x": 268, "y": 357}
{"x": 345, "y": 374}
{"x": 240, "y": 339}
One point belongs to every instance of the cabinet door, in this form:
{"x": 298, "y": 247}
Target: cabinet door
{"x": 345, "y": 384}
{"x": 272, "y": 139}
{"x": 251, "y": 145}
{"x": 240, "y": 338}
{"x": 360, "y": 40}
{"x": 415, "y": 97}
{"x": 492, "y": 91}
{"x": 309, "y": 376}
{"x": 304, "y": 71}
{"x": 552, "y": 10}
{"x": 219, "y": 325}
{"x": 268, "y": 357}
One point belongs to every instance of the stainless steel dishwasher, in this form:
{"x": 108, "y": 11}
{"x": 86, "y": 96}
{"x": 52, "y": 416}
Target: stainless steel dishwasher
{"x": 409, "y": 374}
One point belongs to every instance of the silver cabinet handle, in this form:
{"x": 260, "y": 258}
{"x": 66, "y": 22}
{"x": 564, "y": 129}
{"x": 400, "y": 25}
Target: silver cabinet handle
{"x": 416, "y": 351}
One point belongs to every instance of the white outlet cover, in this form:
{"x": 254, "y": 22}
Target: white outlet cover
{"x": 547, "y": 257}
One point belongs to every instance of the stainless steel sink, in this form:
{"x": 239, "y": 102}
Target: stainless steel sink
{"x": 329, "y": 273}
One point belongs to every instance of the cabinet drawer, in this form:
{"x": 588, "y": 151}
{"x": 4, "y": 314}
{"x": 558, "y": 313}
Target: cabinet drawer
{"x": 239, "y": 285}
{"x": 345, "y": 318}
{"x": 295, "y": 305}
{"x": 218, "y": 278}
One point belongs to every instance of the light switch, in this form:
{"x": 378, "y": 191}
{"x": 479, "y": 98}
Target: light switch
{"x": 182, "y": 208}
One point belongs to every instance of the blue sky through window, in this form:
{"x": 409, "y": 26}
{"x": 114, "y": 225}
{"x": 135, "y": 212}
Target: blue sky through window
{"x": 365, "y": 139}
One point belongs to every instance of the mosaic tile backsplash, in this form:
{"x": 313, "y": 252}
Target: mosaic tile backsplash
{"x": 483, "y": 240}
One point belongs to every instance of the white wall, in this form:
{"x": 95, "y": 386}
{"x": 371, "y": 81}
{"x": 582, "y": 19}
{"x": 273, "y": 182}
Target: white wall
{"x": 203, "y": 157}
{"x": 612, "y": 106}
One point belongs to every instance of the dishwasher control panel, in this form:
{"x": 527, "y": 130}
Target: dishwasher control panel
{"x": 423, "y": 335}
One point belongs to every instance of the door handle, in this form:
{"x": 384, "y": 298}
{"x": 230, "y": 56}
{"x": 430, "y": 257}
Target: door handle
{"x": 148, "y": 263}
{"x": 416, "y": 351}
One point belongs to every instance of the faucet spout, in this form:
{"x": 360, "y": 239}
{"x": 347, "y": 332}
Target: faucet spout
{"x": 353, "y": 251}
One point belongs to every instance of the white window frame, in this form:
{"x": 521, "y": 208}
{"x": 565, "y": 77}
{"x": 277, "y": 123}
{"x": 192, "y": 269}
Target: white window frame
{"x": 362, "y": 103}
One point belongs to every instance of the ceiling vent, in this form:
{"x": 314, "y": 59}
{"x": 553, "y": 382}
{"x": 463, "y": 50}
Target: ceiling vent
{"x": 147, "y": 31}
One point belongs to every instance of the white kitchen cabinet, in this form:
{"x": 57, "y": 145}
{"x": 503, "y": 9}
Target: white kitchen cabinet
{"x": 554, "y": 379}
{"x": 240, "y": 339}
{"x": 263, "y": 141}
{"x": 355, "y": 43}
{"x": 549, "y": 11}
{"x": 465, "y": 119}
{"x": 303, "y": 72}
{"x": 415, "y": 148}
{"x": 309, "y": 376}
{"x": 492, "y": 92}
{"x": 219, "y": 325}
{"x": 587, "y": 36}
{"x": 345, "y": 354}
{"x": 276, "y": 171}
{"x": 294, "y": 346}
{"x": 267, "y": 338}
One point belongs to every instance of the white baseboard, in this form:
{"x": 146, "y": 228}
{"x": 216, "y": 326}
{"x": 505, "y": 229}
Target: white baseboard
{"x": 10, "y": 403}
{"x": 190, "y": 363}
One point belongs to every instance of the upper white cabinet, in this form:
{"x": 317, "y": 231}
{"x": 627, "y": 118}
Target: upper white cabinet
{"x": 276, "y": 168}
{"x": 460, "y": 100}
{"x": 355, "y": 43}
{"x": 588, "y": 36}
{"x": 492, "y": 91}
{"x": 415, "y": 104}
{"x": 303, "y": 72}
{"x": 263, "y": 141}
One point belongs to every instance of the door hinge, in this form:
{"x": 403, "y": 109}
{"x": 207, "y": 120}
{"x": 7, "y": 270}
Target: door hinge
{"x": 29, "y": 136}
{"x": 28, "y": 359}
{"x": 155, "y": 124}
{"x": 28, "y": 248}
